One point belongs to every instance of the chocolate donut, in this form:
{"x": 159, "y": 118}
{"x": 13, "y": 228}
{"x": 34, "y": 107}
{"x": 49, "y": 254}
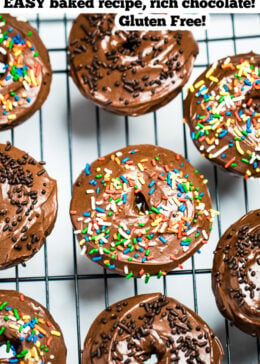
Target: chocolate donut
{"x": 28, "y": 206}
{"x": 235, "y": 273}
{"x": 25, "y": 73}
{"x": 131, "y": 330}
{"x": 128, "y": 72}
{"x": 141, "y": 210}
{"x": 222, "y": 110}
{"x": 29, "y": 331}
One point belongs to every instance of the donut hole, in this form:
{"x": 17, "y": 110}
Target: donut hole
{"x": 152, "y": 360}
{"x": 140, "y": 202}
{"x": 252, "y": 105}
{"x": 2, "y": 69}
{"x": 252, "y": 101}
{"x": 3, "y": 63}
{"x": 131, "y": 43}
{"x": 256, "y": 104}
{"x": 9, "y": 348}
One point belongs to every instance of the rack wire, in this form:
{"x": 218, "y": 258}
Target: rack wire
{"x": 76, "y": 277}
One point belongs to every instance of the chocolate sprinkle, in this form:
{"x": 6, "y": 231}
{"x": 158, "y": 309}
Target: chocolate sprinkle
{"x": 235, "y": 273}
{"x": 121, "y": 68}
{"x": 157, "y": 325}
{"x": 20, "y": 179}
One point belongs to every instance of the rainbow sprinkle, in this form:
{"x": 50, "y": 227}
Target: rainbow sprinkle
{"x": 34, "y": 333}
{"x": 16, "y": 70}
{"x": 108, "y": 237}
{"x": 227, "y": 124}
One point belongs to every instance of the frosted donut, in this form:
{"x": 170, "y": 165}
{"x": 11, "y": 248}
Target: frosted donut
{"x": 25, "y": 74}
{"x": 128, "y": 72}
{"x": 28, "y": 207}
{"x": 132, "y": 330}
{"x": 235, "y": 273}
{"x": 29, "y": 331}
{"x": 141, "y": 210}
{"x": 222, "y": 110}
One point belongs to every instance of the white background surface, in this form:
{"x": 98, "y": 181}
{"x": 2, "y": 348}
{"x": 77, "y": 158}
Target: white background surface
{"x": 67, "y": 143}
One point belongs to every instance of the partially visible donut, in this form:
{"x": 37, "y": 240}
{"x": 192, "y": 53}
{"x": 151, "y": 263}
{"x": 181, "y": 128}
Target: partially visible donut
{"x": 236, "y": 272}
{"x": 28, "y": 205}
{"x": 222, "y": 110}
{"x": 29, "y": 331}
{"x": 132, "y": 330}
{"x": 25, "y": 73}
{"x": 141, "y": 210}
{"x": 128, "y": 72}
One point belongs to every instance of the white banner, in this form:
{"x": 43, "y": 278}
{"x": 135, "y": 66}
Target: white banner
{"x": 132, "y": 6}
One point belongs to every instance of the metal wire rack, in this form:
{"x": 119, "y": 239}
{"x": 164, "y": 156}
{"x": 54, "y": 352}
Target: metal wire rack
{"x": 41, "y": 280}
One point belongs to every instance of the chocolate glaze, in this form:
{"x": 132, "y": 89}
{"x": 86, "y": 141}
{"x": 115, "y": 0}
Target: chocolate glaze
{"x": 127, "y": 72}
{"x": 131, "y": 330}
{"x": 151, "y": 242}
{"x": 24, "y": 310}
{"x": 233, "y": 124}
{"x": 28, "y": 205}
{"x": 30, "y": 81}
{"x": 235, "y": 273}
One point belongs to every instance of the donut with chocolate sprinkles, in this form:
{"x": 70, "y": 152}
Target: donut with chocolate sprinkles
{"x": 28, "y": 206}
{"x": 28, "y": 331}
{"x": 128, "y": 72}
{"x": 134, "y": 329}
{"x": 25, "y": 71}
{"x": 141, "y": 211}
{"x": 236, "y": 271}
{"x": 222, "y": 110}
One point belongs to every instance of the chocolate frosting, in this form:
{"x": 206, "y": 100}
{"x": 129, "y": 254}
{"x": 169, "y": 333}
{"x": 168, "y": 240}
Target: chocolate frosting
{"x": 26, "y": 77}
{"x": 28, "y": 205}
{"x": 235, "y": 274}
{"x": 131, "y": 330}
{"x": 141, "y": 210}
{"x": 30, "y": 330}
{"x": 128, "y": 72}
{"x": 222, "y": 110}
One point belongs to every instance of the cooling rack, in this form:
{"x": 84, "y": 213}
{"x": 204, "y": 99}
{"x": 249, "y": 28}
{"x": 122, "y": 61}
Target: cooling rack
{"x": 68, "y": 132}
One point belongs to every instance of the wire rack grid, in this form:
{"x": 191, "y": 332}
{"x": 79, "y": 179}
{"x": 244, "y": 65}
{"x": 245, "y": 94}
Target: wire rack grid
{"x": 69, "y": 131}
